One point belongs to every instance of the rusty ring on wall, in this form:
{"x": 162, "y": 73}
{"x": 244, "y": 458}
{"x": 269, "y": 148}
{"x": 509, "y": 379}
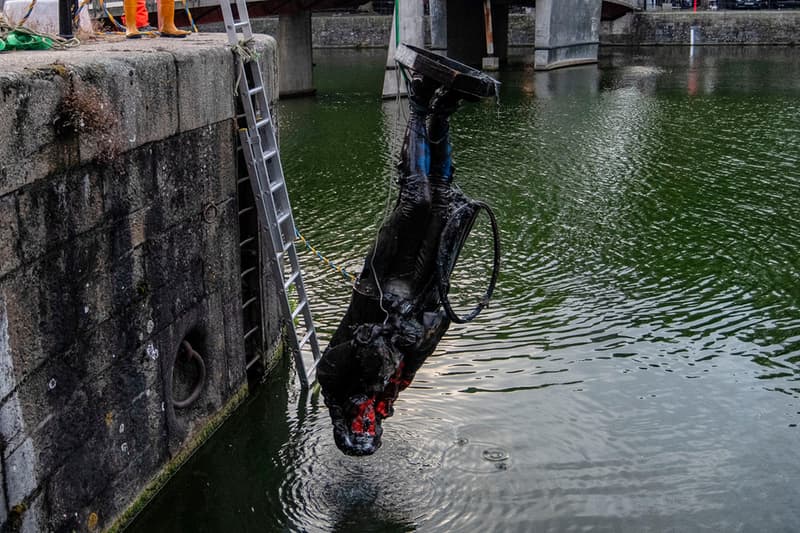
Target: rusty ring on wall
{"x": 210, "y": 212}
{"x": 198, "y": 388}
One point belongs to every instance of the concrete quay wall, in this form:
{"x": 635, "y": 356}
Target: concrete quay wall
{"x": 640, "y": 28}
{"x": 711, "y": 28}
{"x": 373, "y": 31}
{"x": 119, "y": 239}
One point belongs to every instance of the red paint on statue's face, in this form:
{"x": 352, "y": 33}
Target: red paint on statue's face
{"x": 364, "y": 421}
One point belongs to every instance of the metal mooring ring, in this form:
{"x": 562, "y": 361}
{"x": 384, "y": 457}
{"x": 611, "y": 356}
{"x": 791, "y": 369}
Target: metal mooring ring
{"x": 198, "y": 388}
{"x": 210, "y": 212}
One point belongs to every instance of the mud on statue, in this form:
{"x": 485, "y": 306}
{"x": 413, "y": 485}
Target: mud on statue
{"x": 166, "y": 14}
{"x": 399, "y": 309}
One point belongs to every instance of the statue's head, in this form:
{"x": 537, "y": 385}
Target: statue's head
{"x": 357, "y": 426}
{"x": 360, "y": 381}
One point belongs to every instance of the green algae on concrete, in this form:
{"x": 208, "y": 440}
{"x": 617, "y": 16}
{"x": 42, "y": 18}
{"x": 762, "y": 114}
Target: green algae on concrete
{"x": 169, "y": 469}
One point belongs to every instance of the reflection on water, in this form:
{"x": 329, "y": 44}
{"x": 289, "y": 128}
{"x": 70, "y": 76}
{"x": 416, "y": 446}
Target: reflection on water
{"x": 578, "y": 81}
{"x": 637, "y": 370}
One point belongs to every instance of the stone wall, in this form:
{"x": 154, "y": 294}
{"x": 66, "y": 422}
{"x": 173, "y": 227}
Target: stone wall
{"x": 372, "y": 31}
{"x": 711, "y": 27}
{"x": 356, "y": 31}
{"x": 642, "y": 28}
{"x": 118, "y": 240}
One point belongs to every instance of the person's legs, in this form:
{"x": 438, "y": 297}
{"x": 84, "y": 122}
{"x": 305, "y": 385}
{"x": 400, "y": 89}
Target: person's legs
{"x": 130, "y": 7}
{"x": 142, "y": 17}
{"x": 167, "y": 11}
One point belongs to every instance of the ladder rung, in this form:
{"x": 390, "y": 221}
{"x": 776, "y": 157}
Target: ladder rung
{"x": 305, "y": 339}
{"x": 313, "y": 368}
{"x": 299, "y": 308}
{"x": 251, "y": 362}
{"x": 246, "y": 335}
{"x": 284, "y": 217}
{"x": 291, "y": 280}
{"x": 261, "y": 155}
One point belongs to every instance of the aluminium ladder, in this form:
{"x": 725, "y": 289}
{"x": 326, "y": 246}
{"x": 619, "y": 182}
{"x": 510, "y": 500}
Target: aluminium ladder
{"x": 257, "y": 137}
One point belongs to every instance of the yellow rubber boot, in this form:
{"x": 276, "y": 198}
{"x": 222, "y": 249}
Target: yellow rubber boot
{"x": 168, "y": 28}
{"x": 130, "y": 19}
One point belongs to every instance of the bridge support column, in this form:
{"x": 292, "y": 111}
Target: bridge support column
{"x": 466, "y": 31}
{"x": 567, "y": 33}
{"x": 295, "y": 71}
{"x": 408, "y": 20}
{"x": 438, "y": 24}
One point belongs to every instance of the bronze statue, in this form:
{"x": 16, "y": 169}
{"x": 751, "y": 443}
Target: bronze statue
{"x": 399, "y": 309}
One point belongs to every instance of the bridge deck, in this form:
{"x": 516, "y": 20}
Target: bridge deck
{"x": 206, "y": 11}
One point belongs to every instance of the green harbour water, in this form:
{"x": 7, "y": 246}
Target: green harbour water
{"x": 638, "y": 369}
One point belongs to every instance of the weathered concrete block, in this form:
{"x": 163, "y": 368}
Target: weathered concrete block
{"x": 11, "y": 424}
{"x": 20, "y": 472}
{"x": 30, "y": 149}
{"x": 9, "y": 235}
{"x": 199, "y": 104}
{"x": 3, "y": 511}
{"x": 117, "y": 101}
{"x": 56, "y": 210}
{"x": 128, "y": 93}
{"x": 8, "y": 378}
{"x": 116, "y": 244}
{"x": 30, "y": 520}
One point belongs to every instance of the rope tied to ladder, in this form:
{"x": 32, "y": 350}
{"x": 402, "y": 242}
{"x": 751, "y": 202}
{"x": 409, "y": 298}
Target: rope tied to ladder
{"x": 351, "y": 278}
{"x": 244, "y": 51}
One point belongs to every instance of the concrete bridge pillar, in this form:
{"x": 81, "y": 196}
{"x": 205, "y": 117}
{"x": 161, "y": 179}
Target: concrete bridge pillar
{"x": 407, "y": 28}
{"x": 294, "y": 52}
{"x": 438, "y": 26}
{"x": 567, "y": 33}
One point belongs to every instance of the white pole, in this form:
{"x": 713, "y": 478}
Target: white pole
{"x": 407, "y": 28}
